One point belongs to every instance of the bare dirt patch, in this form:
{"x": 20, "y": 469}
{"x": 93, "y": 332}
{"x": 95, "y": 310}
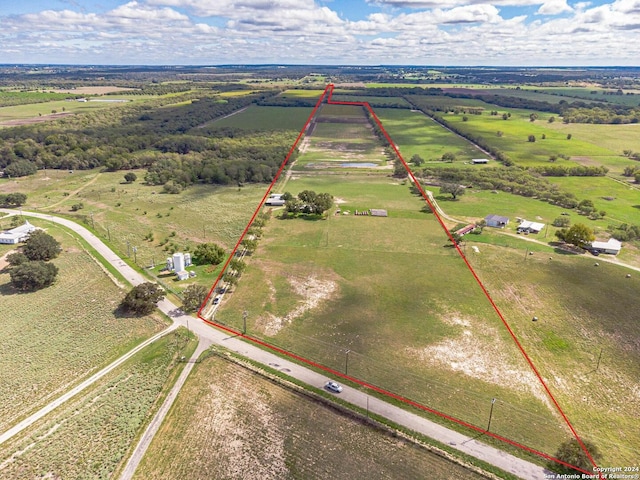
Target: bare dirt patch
{"x": 30, "y": 121}
{"x": 3, "y": 259}
{"x": 313, "y": 292}
{"x": 476, "y": 353}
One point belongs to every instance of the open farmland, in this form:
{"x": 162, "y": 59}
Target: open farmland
{"x": 583, "y": 312}
{"x": 90, "y": 435}
{"x": 416, "y": 133}
{"x": 400, "y": 310}
{"x": 230, "y": 423}
{"x": 402, "y": 304}
{"x": 54, "y": 337}
{"x": 257, "y": 117}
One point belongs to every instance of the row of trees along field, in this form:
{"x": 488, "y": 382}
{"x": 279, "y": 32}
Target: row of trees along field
{"x": 176, "y": 143}
{"x": 576, "y": 111}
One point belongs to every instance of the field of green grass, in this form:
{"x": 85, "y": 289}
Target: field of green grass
{"x": 256, "y": 117}
{"x": 416, "y": 133}
{"x": 228, "y": 419}
{"x": 56, "y": 336}
{"x": 89, "y": 436}
{"x": 393, "y": 292}
{"x": 22, "y": 112}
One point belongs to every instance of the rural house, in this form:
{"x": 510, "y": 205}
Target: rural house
{"x": 612, "y": 246}
{"x": 496, "y": 221}
{"x": 530, "y": 227}
{"x": 17, "y": 235}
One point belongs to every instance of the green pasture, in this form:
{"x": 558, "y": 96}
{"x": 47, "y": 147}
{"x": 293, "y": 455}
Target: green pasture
{"x": 59, "y": 335}
{"x": 615, "y": 138}
{"x": 584, "y": 312}
{"x": 374, "y": 101}
{"x": 257, "y": 117}
{"x": 400, "y": 299}
{"x": 515, "y": 133}
{"x": 440, "y": 102}
{"x": 624, "y": 207}
{"x": 22, "y": 112}
{"x": 416, "y": 133}
{"x": 330, "y": 110}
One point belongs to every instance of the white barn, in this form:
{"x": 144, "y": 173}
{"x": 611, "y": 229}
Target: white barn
{"x": 17, "y": 235}
{"x": 496, "y": 221}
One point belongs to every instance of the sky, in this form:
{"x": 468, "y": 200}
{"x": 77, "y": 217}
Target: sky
{"x": 353, "y": 32}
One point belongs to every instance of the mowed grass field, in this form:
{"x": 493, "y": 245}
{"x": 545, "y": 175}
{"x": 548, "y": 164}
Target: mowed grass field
{"x": 89, "y": 436}
{"x": 256, "y": 117}
{"x": 231, "y": 423}
{"x": 416, "y": 134}
{"x": 398, "y": 297}
{"x": 57, "y": 336}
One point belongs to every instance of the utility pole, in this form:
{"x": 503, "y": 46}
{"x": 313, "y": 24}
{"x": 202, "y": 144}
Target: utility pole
{"x": 599, "y": 357}
{"x": 108, "y": 233}
{"x": 93, "y": 225}
{"x": 493, "y": 400}
{"x": 135, "y": 255}
{"x": 244, "y": 322}
{"x": 346, "y": 362}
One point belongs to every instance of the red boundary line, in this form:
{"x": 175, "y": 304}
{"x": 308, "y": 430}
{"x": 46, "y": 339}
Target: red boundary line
{"x": 329, "y": 90}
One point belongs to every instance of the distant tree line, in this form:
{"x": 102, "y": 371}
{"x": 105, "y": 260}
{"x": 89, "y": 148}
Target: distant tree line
{"x": 176, "y": 143}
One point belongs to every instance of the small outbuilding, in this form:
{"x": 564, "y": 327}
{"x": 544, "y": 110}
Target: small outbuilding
{"x": 464, "y": 230}
{"x": 377, "y": 212}
{"x": 611, "y": 246}
{"x": 496, "y": 221}
{"x": 479, "y": 161}
{"x": 530, "y": 227}
{"x": 17, "y": 235}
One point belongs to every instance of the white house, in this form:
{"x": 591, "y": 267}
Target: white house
{"x": 530, "y": 227}
{"x": 17, "y": 235}
{"x": 275, "y": 200}
{"x": 496, "y": 221}
{"x": 611, "y": 246}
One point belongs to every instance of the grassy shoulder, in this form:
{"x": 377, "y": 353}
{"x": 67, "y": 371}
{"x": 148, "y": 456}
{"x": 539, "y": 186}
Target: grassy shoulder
{"x": 90, "y": 435}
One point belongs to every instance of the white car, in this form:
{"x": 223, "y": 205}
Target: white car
{"x": 333, "y": 387}
{"x": 216, "y": 300}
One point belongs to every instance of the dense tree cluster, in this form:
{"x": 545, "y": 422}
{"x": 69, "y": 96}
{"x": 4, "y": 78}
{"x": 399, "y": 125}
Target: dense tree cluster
{"x": 12, "y": 200}
{"x": 193, "y": 297}
{"x": 625, "y": 232}
{"x": 572, "y": 171}
{"x": 579, "y": 235}
{"x": 513, "y": 180}
{"x": 571, "y": 452}
{"x": 309, "y": 202}
{"x": 177, "y": 140}
{"x": 142, "y": 299}
{"x": 209, "y": 253}
{"x": 29, "y": 269}
{"x": 611, "y": 114}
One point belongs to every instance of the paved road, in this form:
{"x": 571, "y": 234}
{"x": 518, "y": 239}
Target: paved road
{"x": 153, "y": 427}
{"x": 509, "y": 463}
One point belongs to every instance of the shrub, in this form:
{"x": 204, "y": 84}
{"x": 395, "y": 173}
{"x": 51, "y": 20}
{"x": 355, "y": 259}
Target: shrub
{"x": 142, "y": 299}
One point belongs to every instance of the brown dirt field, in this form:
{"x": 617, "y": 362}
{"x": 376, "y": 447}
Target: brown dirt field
{"x": 230, "y": 423}
{"x": 94, "y": 90}
{"x": 30, "y": 121}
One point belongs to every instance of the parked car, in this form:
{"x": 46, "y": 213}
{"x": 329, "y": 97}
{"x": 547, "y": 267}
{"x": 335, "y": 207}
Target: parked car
{"x": 333, "y": 387}
{"x": 216, "y": 300}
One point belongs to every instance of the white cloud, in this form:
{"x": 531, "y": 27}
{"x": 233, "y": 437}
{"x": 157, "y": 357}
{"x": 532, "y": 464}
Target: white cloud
{"x": 554, "y": 7}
